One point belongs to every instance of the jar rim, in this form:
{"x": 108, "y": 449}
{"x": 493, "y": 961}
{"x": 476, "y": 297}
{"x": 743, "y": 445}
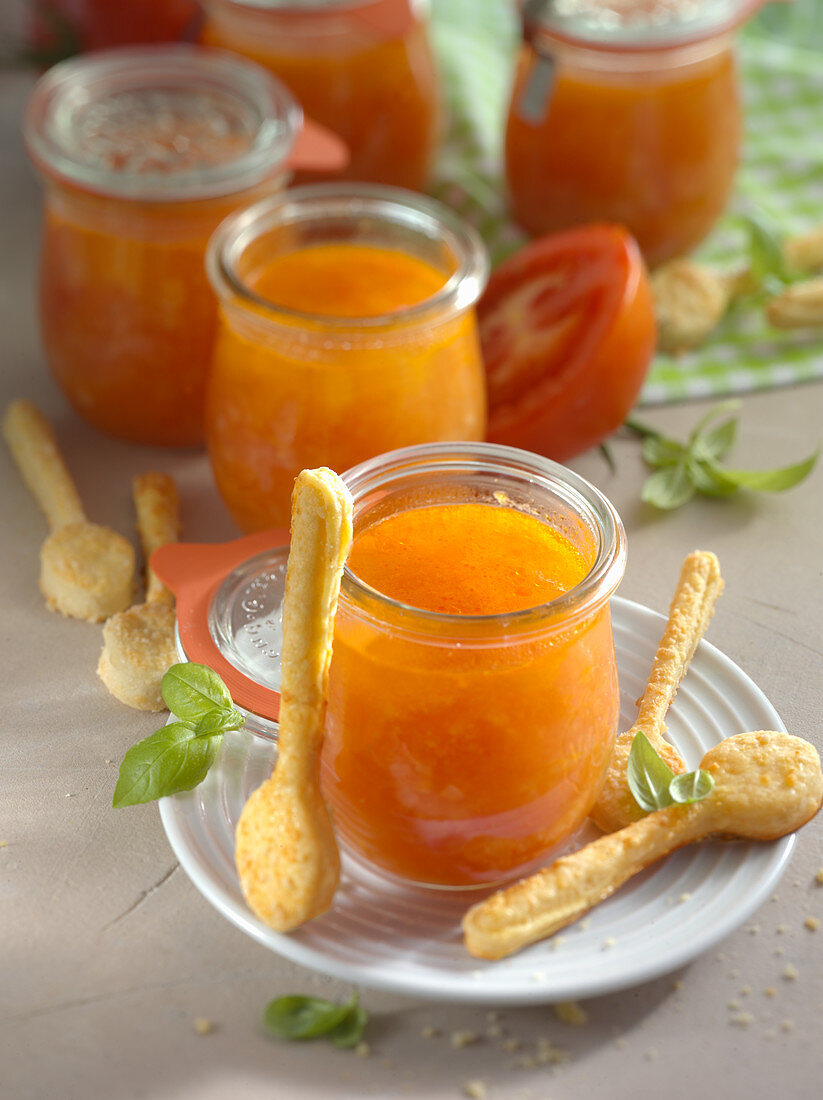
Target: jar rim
{"x": 581, "y": 495}
{"x": 354, "y": 202}
{"x": 600, "y": 27}
{"x": 55, "y": 108}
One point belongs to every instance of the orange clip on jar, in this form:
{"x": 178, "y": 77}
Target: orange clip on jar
{"x": 626, "y": 112}
{"x": 364, "y": 68}
{"x": 143, "y": 151}
{"x": 348, "y": 329}
{"x": 473, "y": 695}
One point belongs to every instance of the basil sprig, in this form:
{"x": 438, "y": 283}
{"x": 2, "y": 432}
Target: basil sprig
{"x": 654, "y": 785}
{"x": 178, "y": 756}
{"x": 683, "y": 469}
{"x": 299, "y": 1017}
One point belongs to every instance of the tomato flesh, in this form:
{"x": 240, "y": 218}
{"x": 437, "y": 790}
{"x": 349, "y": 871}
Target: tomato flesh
{"x": 567, "y": 331}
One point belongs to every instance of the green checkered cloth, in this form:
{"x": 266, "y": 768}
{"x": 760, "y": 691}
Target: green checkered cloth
{"x": 781, "y": 174}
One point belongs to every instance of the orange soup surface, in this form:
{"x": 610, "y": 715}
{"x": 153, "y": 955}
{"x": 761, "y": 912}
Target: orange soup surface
{"x": 458, "y": 758}
{"x": 346, "y": 280}
{"x": 287, "y": 398}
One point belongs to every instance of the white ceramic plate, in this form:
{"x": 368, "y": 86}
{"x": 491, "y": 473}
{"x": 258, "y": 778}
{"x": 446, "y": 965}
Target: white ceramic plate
{"x": 407, "y": 939}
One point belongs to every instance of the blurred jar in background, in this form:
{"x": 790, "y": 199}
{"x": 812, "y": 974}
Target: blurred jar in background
{"x": 143, "y": 151}
{"x": 626, "y": 111}
{"x": 347, "y": 329}
{"x": 59, "y": 28}
{"x": 364, "y": 68}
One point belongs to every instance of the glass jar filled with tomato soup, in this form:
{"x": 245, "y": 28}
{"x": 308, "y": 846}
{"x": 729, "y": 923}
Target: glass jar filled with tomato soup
{"x": 143, "y": 151}
{"x": 626, "y": 111}
{"x": 348, "y": 329}
{"x": 473, "y": 693}
{"x": 364, "y": 68}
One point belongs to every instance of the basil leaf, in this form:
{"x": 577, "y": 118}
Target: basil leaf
{"x": 691, "y": 787}
{"x": 764, "y": 248}
{"x": 191, "y": 690}
{"x": 299, "y": 1017}
{"x": 714, "y": 413}
{"x": 219, "y": 720}
{"x": 715, "y": 442}
{"x": 166, "y": 762}
{"x": 350, "y": 1031}
{"x": 658, "y": 450}
{"x": 709, "y": 478}
{"x": 772, "y": 481}
{"x": 648, "y": 774}
{"x": 668, "y": 487}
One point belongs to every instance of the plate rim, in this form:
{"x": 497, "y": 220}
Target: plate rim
{"x": 471, "y": 989}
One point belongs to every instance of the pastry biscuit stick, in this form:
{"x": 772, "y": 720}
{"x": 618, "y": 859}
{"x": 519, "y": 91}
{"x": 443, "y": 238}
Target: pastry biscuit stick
{"x": 286, "y": 851}
{"x": 138, "y": 644}
{"x": 766, "y": 785}
{"x": 86, "y": 570}
{"x": 690, "y": 613}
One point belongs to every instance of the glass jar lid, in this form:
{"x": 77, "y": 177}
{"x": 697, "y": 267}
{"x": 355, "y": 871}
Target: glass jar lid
{"x": 152, "y": 123}
{"x": 634, "y": 24}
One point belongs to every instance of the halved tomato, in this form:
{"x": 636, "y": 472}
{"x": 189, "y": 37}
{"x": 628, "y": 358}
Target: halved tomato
{"x": 568, "y": 333}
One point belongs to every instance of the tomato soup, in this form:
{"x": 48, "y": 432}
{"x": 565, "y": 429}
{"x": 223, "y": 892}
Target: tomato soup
{"x": 473, "y": 690}
{"x": 337, "y": 350}
{"x": 641, "y": 131}
{"x": 372, "y": 82}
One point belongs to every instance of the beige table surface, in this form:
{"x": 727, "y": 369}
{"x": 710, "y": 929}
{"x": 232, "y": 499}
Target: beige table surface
{"x": 108, "y": 954}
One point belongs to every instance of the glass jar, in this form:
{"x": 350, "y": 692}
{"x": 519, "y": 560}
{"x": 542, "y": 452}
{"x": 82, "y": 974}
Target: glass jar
{"x": 143, "y": 151}
{"x": 364, "y": 68}
{"x": 628, "y": 113}
{"x": 460, "y": 748}
{"x": 390, "y": 358}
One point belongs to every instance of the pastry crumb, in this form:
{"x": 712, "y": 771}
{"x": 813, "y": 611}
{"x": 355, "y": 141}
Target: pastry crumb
{"x": 781, "y": 928}
{"x": 362, "y": 1050}
{"x": 571, "y": 1013}
{"x": 685, "y": 896}
{"x": 745, "y": 990}
{"x": 677, "y": 985}
{"x": 733, "y": 1005}
{"x": 770, "y": 991}
{"x": 742, "y": 1019}
{"x": 609, "y": 942}
{"x": 791, "y": 973}
{"x": 510, "y": 1045}
{"x": 460, "y": 1039}
{"x": 475, "y": 1090}
{"x": 787, "y": 1025}
{"x": 429, "y": 1032}
{"x": 818, "y": 878}
{"x": 812, "y": 923}
{"x": 203, "y": 1026}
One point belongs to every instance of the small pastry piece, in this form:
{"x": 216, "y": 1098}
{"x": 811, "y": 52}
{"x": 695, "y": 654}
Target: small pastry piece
{"x": 690, "y": 613}
{"x": 766, "y": 785}
{"x": 805, "y": 252}
{"x": 86, "y": 571}
{"x": 689, "y": 301}
{"x": 138, "y": 644}
{"x": 798, "y": 306}
{"x": 286, "y": 851}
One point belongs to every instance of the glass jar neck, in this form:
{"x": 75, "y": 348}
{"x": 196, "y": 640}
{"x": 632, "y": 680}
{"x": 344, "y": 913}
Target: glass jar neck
{"x": 455, "y": 473}
{"x": 664, "y": 61}
{"x": 360, "y": 214}
{"x": 290, "y": 26}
